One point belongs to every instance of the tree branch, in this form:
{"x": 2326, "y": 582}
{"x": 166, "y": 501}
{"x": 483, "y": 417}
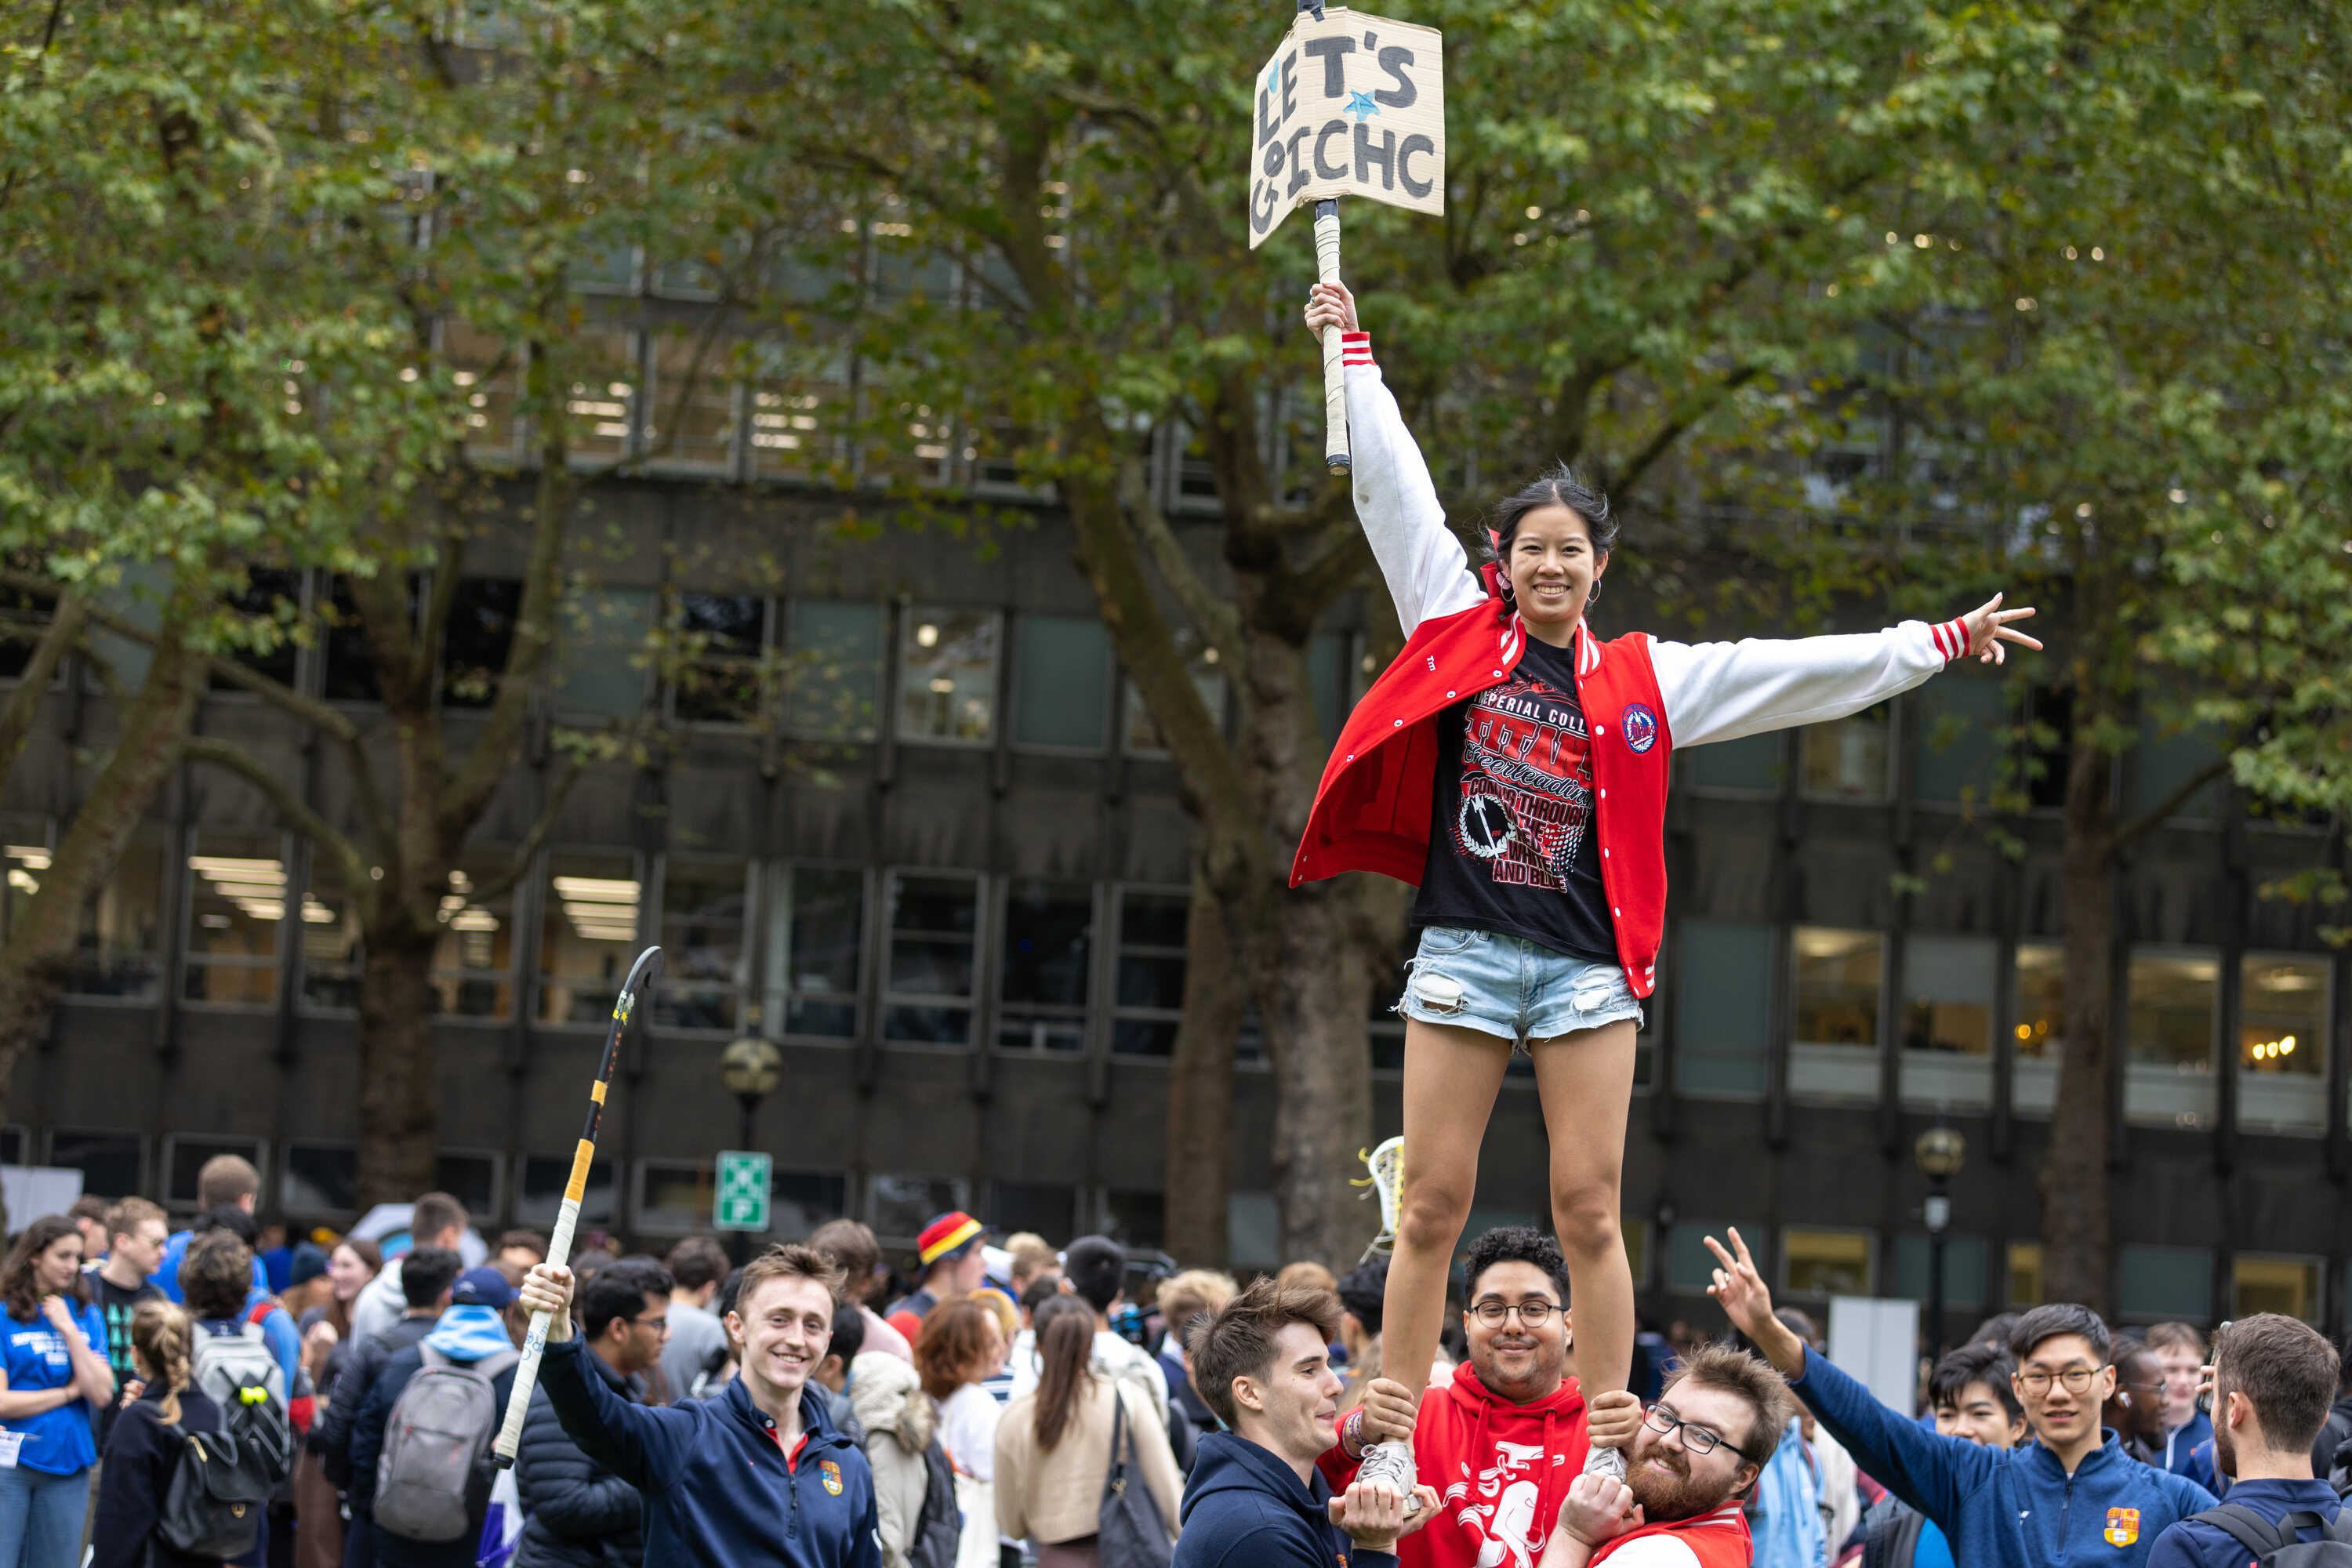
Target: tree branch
{"x": 24, "y": 703}
{"x": 284, "y": 799}
{"x": 2173, "y": 801}
{"x": 1215, "y": 620}
{"x": 519, "y": 862}
{"x": 1625, "y": 481}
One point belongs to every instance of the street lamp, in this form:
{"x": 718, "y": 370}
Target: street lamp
{"x": 1941, "y": 1151}
{"x": 750, "y": 1069}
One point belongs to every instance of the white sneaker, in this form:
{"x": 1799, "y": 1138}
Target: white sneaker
{"x": 1392, "y": 1462}
{"x": 1601, "y": 1461}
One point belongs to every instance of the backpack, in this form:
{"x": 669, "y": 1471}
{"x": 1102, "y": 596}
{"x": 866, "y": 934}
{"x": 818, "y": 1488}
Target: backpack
{"x": 2274, "y": 1545}
{"x": 938, "y": 1529}
{"x": 237, "y": 1373}
{"x": 220, "y": 1484}
{"x": 436, "y": 1447}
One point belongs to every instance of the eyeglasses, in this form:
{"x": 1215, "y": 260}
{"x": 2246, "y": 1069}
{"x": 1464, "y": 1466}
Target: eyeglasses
{"x": 2076, "y": 1379}
{"x": 1534, "y": 1313}
{"x": 659, "y": 1325}
{"x": 1699, "y": 1440}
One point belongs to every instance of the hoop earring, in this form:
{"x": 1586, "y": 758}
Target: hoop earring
{"x": 1592, "y": 595}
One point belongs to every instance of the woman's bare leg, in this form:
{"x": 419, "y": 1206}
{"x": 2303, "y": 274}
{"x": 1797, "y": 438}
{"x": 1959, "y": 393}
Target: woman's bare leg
{"x": 1451, "y": 1077}
{"x": 1586, "y": 1083}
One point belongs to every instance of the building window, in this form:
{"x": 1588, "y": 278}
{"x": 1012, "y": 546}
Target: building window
{"x": 1044, "y": 971}
{"x": 1136, "y": 1219}
{"x": 349, "y": 675}
{"x": 1825, "y": 1262}
{"x": 185, "y": 1155}
{"x": 816, "y": 930}
{"x": 1043, "y": 1208}
{"x": 2260, "y": 1283}
{"x": 2155, "y": 1284}
{"x": 947, "y": 675}
{"x": 1690, "y": 1267}
{"x": 2166, "y": 760}
{"x": 264, "y": 611}
{"x": 800, "y": 405}
{"x": 473, "y": 962}
{"x": 834, "y": 670}
{"x": 1723, "y": 989}
{"x": 604, "y": 669}
{"x": 1061, "y": 696}
{"x": 602, "y": 398}
{"x": 587, "y": 933}
{"x": 489, "y": 373}
{"x": 236, "y": 903}
{"x": 934, "y": 938}
{"x": 113, "y": 1164}
{"x": 690, "y": 410}
{"x": 899, "y": 1206}
{"x": 2283, "y": 1043}
{"x": 1833, "y": 1052}
{"x": 541, "y": 1194}
{"x": 2038, "y": 1042}
{"x": 477, "y": 638}
{"x": 472, "y": 1179}
{"x": 703, "y": 905}
{"x": 1949, "y": 986}
{"x": 1139, "y": 734}
{"x": 1958, "y": 732}
{"x": 2168, "y": 1079}
{"x": 2025, "y": 1274}
{"x": 1966, "y": 1259}
{"x": 26, "y": 856}
{"x": 1152, "y": 946}
{"x": 1846, "y": 759}
{"x": 120, "y": 948}
{"x": 2048, "y": 746}
{"x": 1751, "y": 765}
{"x": 321, "y": 1179}
{"x": 721, "y": 678}
{"x": 332, "y": 946}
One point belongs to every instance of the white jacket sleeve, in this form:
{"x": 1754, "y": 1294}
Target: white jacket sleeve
{"x": 1726, "y": 690}
{"x": 1427, "y": 571}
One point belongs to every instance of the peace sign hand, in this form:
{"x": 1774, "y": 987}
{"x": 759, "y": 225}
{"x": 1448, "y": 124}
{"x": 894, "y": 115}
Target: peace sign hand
{"x": 1739, "y": 1290}
{"x": 1987, "y": 628}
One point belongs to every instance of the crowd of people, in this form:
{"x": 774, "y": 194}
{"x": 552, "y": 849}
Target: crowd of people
{"x": 210, "y": 1396}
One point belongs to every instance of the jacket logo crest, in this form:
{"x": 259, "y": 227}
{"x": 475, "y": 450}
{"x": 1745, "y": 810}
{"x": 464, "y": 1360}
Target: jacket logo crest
{"x": 831, "y": 1473}
{"x": 2123, "y": 1526}
{"x": 1641, "y": 727}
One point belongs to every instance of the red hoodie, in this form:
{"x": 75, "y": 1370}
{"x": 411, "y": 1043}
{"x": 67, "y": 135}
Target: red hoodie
{"x": 1716, "y": 1540}
{"x": 1500, "y": 1469}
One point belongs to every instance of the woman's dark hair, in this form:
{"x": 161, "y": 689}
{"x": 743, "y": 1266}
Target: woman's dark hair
{"x": 1558, "y": 485}
{"x": 1065, "y": 1348}
{"x": 18, "y": 1287}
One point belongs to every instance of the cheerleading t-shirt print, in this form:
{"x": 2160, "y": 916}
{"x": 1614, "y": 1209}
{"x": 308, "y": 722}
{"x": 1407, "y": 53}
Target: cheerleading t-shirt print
{"x": 1513, "y": 846}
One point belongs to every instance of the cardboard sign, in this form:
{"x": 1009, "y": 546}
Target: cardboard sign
{"x": 1353, "y": 105}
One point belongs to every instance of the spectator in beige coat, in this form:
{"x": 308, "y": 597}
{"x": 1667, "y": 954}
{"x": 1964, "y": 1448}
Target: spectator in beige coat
{"x": 1053, "y": 1447}
{"x": 899, "y": 1422}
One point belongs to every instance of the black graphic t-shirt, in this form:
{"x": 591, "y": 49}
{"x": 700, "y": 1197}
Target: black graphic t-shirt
{"x": 118, "y": 1306}
{"x": 1512, "y": 845}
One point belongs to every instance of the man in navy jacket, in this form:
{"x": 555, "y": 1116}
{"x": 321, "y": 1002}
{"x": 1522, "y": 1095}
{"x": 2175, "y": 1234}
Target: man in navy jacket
{"x": 2072, "y": 1496}
{"x": 754, "y": 1476}
{"x": 1262, "y": 1364}
{"x": 2273, "y": 1380}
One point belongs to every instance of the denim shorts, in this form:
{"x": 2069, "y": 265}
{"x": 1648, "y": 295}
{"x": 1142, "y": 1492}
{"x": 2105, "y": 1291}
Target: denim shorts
{"x": 1510, "y": 988}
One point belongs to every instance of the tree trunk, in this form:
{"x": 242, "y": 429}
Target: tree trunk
{"x": 396, "y": 1079}
{"x": 1314, "y": 993}
{"x": 2077, "y": 1210}
{"x": 33, "y": 962}
{"x": 1198, "y": 1175}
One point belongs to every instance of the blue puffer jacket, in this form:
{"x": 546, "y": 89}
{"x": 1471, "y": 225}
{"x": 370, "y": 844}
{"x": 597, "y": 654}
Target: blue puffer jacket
{"x": 2013, "y": 1508}
{"x": 716, "y": 1485}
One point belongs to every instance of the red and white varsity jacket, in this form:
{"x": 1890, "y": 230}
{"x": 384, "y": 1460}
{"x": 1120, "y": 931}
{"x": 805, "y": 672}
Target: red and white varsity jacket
{"x": 1642, "y": 696}
{"x": 1716, "y": 1540}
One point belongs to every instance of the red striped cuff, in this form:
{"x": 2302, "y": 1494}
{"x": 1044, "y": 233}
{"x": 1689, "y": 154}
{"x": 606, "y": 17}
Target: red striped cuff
{"x": 1951, "y": 639}
{"x": 1355, "y": 348}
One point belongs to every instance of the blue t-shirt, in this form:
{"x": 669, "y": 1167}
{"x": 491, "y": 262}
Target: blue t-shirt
{"x": 167, "y": 1274}
{"x": 1931, "y": 1550}
{"x": 59, "y": 1442}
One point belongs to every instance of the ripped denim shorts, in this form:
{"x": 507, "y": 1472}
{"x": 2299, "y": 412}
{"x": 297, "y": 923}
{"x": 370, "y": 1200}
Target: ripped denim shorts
{"x": 1510, "y": 988}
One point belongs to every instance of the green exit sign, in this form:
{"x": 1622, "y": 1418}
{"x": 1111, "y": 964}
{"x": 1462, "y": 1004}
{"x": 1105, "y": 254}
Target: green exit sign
{"x": 740, "y": 1200}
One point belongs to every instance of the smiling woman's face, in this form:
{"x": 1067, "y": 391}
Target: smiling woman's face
{"x": 1551, "y": 565}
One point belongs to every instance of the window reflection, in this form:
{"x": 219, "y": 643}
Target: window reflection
{"x": 473, "y": 961}
{"x": 330, "y": 931}
{"x": 702, "y": 937}
{"x": 834, "y": 667}
{"x": 119, "y": 943}
{"x": 1042, "y": 984}
{"x": 1152, "y": 946}
{"x": 1846, "y": 759}
{"x": 587, "y": 935}
{"x": 2168, "y": 1079}
{"x": 699, "y": 432}
{"x": 817, "y": 924}
{"x": 479, "y": 634}
{"x": 236, "y": 897}
{"x": 934, "y": 932}
{"x": 946, "y": 681}
{"x": 721, "y": 677}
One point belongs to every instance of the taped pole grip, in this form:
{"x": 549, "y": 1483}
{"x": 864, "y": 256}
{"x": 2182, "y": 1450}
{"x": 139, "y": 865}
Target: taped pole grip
{"x": 1335, "y": 379}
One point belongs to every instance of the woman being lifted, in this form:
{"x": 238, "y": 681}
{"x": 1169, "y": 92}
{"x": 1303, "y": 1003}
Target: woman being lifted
{"x": 1514, "y": 766}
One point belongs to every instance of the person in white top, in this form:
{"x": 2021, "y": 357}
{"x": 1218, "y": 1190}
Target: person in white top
{"x": 960, "y": 1348}
{"x": 1095, "y": 1267}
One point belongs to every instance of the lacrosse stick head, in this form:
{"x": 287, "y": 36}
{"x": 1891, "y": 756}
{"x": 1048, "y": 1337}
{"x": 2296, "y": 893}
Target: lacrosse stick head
{"x": 1386, "y": 1165}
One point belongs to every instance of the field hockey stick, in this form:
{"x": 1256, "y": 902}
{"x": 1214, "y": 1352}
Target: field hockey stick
{"x": 642, "y": 974}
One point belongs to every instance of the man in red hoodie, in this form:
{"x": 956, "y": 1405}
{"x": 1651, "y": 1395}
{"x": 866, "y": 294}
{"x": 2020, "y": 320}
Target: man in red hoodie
{"x": 1502, "y": 1440}
{"x": 1700, "y": 1449}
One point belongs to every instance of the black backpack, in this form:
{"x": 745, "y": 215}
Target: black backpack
{"x": 2274, "y": 1545}
{"x": 220, "y": 1485}
{"x": 938, "y": 1529}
